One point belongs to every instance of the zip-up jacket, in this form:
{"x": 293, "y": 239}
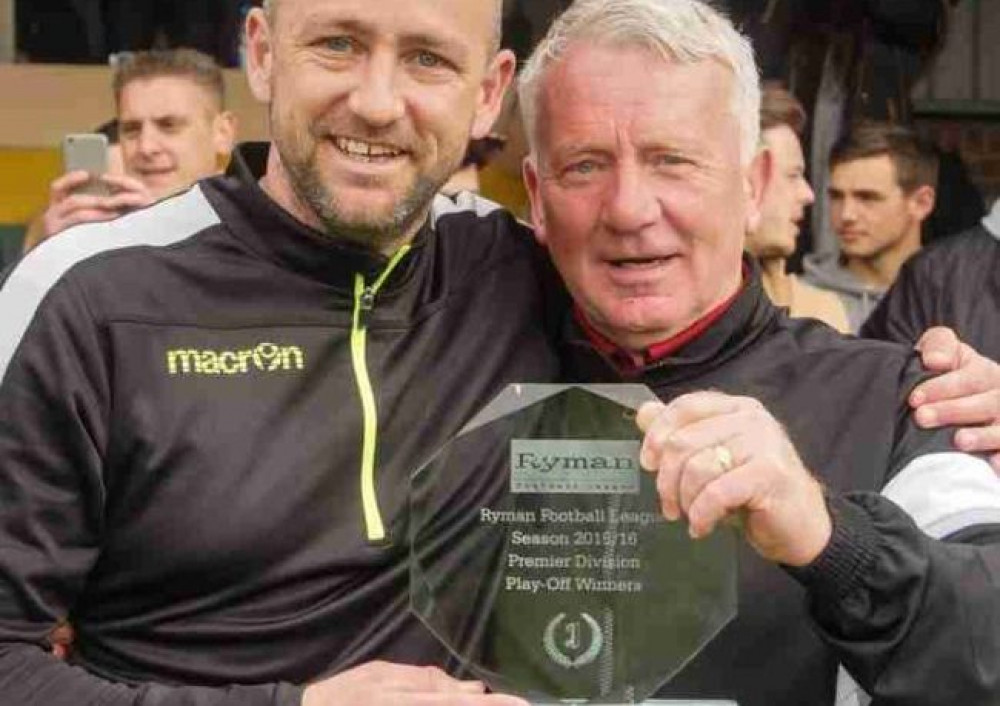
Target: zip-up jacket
{"x": 955, "y": 282}
{"x": 208, "y": 417}
{"x": 907, "y": 593}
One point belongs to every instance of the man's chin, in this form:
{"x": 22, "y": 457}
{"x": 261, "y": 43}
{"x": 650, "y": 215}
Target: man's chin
{"x": 162, "y": 185}
{"x": 635, "y": 328}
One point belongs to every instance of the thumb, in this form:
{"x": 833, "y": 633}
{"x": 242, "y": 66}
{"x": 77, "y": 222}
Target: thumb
{"x": 940, "y": 349}
{"x": 648, "y": 412}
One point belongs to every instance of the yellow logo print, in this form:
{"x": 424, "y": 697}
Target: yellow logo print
{"x": 265, "y": 358}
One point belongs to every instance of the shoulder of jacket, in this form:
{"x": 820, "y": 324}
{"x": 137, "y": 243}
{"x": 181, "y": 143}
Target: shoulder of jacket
{"x": 82, "y": 248}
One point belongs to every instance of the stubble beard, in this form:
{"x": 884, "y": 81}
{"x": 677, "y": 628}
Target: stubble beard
{"x": 372, "y": 231}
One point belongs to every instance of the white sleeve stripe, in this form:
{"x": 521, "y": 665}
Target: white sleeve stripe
{"x": 164, "y": 224}
{"x": 945, "y": 493}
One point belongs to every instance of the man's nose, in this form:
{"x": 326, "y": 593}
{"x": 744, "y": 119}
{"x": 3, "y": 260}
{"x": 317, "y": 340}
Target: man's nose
{"x": 848, "y": 210}
{"x": 631, "y": 204}
{"x": 376, "y": 98}
{"x": 808, "y": 195}
{"x": 148, "y": 142}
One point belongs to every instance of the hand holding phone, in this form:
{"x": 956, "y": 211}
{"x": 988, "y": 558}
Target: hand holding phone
{"x": 86, "y": 193}
{"x": 87, "y": 152}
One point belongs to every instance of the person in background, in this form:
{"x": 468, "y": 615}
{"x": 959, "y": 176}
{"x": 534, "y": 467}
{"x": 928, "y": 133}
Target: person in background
{"x": 783, "y": 210}
{"x": 173, "y": 129}
{"x": 882, "y": 189}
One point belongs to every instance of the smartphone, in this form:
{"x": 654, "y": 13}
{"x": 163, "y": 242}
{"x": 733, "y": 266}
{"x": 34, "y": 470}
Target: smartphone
{"x": 87, "y": 152}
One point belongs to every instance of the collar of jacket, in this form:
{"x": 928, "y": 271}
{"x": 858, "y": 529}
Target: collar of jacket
{"x": 750, "y": 315}
{"x": 272, "y": 232}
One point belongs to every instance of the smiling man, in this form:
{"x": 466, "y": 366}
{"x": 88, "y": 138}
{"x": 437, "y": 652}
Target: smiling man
{"x": 209, "y": 409}
{"x": 869, "y": 542}
{"x": 173, "y": 129}
{"x": 173, "y": 124}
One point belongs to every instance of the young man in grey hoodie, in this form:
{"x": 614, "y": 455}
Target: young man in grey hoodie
{"x": 882, "y": 189}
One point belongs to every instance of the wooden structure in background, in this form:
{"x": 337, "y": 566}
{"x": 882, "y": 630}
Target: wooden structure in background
{"x": 7, "y": 26}
{"x": 43, "y": 102}
{"x": 965, "y": 77}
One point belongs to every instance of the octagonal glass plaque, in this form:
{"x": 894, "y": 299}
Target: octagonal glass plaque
{"x": 540, "y": 557}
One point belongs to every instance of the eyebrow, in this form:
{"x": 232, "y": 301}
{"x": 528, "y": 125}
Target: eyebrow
{"x": 136, "y": 122}
{"x": 449, "y": 45}
{"x": 857, "y": 193}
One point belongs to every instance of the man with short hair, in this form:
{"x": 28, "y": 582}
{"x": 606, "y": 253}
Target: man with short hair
{"x": 783, "y": 206}
{"x": 882, "y": 188}
{"x": 210, "y": 408}
{"x": 173, "y": 130}
{"x": 644, "y": 175}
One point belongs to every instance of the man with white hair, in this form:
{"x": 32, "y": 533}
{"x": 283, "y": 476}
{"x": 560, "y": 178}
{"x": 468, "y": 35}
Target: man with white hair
{"x": 642, "y": 117}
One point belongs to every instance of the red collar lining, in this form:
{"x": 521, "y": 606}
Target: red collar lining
{"x": 633, "y": 361}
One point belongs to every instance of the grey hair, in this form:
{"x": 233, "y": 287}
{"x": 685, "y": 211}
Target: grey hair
{"x": 685, "y": 31}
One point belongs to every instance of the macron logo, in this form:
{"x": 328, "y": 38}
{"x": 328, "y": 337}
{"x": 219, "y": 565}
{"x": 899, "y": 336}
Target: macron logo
{"x": 264, "y": 358}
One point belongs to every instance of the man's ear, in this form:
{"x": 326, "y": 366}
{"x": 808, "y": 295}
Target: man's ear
{"x": 921, "y": 202}
{"x": 756, "y": 182}
{"x": 532, "y": 183}
{"x": 495, "y": 83}
{"x": 259, "y": 54}
{"x": 224, "y": 134}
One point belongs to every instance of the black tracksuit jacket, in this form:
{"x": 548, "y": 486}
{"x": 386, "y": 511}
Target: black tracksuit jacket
{"x": 916, "y": 621}
{"x": 181, "y": 441}
{"x": 955, "y": 282}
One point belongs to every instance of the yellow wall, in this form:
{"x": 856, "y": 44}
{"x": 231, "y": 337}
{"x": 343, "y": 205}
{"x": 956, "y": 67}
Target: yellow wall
{"x": 25, "y": 175}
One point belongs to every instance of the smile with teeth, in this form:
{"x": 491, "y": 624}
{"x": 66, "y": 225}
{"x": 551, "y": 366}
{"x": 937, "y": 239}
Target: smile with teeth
{"x": 639, "y": 263}
{"x": 367, "y": 151}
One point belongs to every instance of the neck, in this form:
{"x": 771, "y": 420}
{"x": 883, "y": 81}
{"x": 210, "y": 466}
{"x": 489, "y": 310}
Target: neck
{"x": 777, "y": 283}
{"x": 881, "y": 269}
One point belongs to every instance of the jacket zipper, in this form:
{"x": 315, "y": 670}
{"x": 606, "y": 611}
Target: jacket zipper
{"x": 364, "y": 303}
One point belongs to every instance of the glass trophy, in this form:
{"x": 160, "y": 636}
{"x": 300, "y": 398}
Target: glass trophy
{"x": 541, "y": 559}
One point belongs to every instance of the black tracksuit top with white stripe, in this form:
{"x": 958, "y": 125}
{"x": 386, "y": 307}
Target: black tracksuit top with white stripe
{"x": 208, "y": 414}
{"x": 183, "y": 432}
{"x": 916, "y": 620}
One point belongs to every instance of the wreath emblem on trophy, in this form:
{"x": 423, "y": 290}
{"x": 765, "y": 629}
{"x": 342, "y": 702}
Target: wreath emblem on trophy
{"x": 565, "y": 638}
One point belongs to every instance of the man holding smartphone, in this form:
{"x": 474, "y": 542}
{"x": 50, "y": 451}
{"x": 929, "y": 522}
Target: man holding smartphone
{"x": 173, "y": 130}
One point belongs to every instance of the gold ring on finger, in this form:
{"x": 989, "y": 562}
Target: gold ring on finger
{"x": 724, "y": 457}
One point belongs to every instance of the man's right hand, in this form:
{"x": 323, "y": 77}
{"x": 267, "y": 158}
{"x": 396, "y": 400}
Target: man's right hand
{"x": 68, "y": 208}
{"x": 388, "y": 684}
